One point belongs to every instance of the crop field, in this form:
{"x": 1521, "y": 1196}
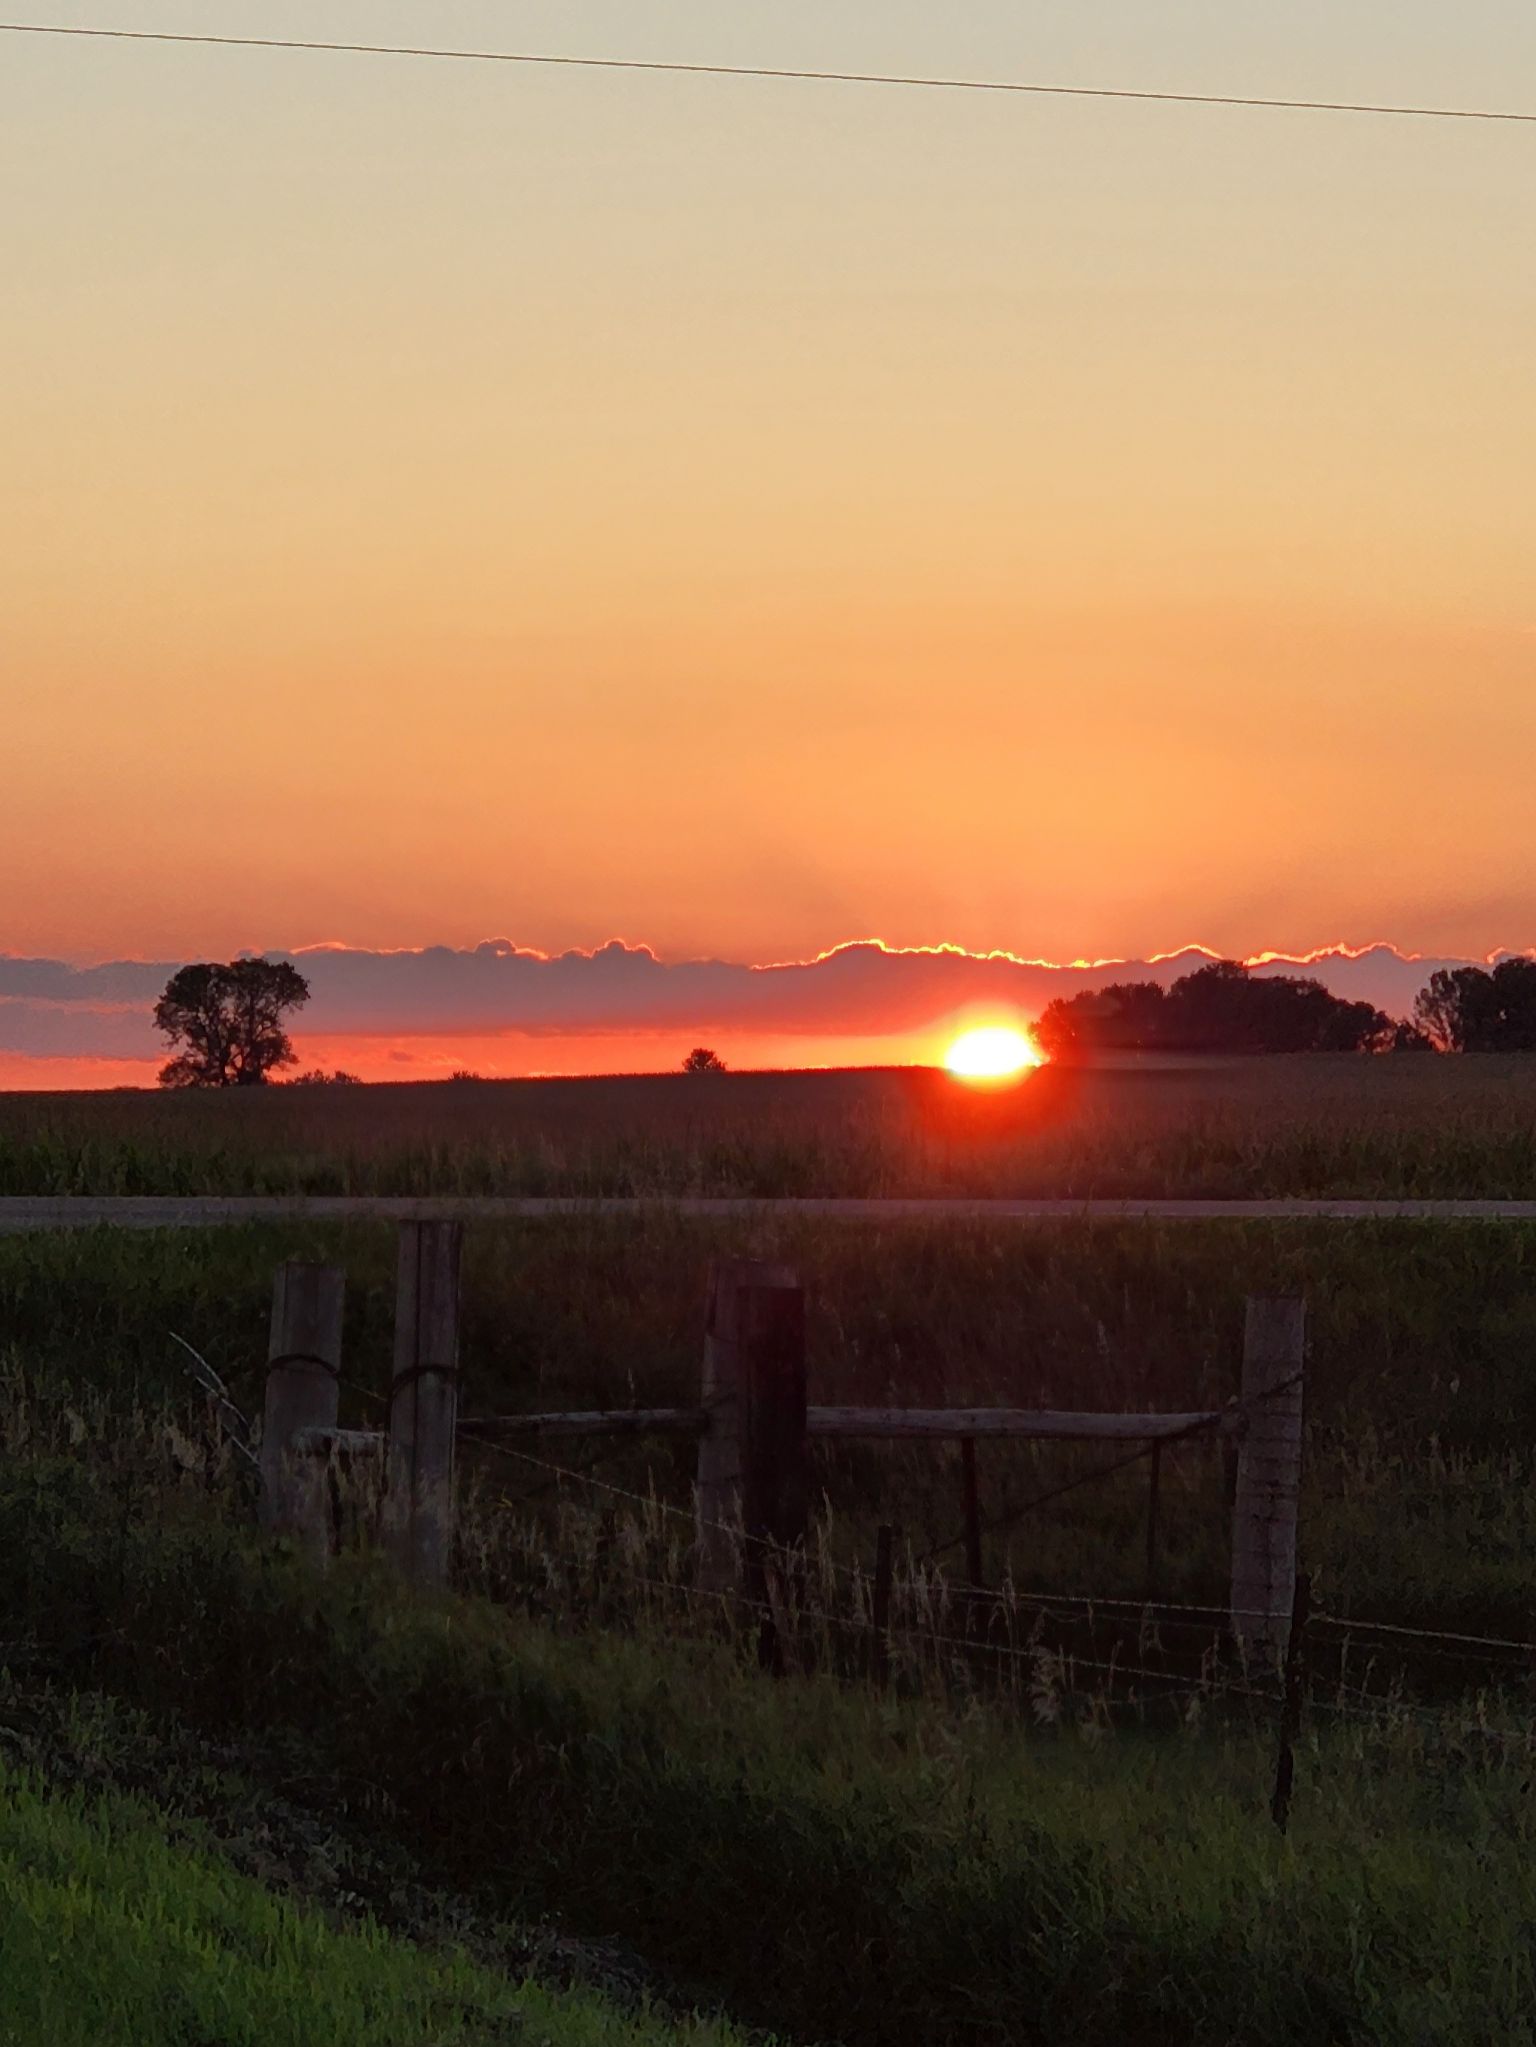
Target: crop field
{"x": 1314, "y": 1125}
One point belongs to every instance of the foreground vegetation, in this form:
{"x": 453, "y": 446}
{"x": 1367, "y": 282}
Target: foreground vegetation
{"x": 1307, "y": 1125}
{"x": 111, "y": 1935}
{"x": 1422, "y": 1406}
{"x": 831, "y": 1862}
{"x": 1067, "y": 1834}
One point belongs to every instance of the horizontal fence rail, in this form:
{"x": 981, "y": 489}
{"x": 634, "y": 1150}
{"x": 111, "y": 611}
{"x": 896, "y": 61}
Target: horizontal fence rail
{"x": 1019, "y": 1423}
{"x": 351, "y": 1441}
{"x": 602, "y": 1421}
{"x": 1022, "y": 1424}
{"x": 20, "y": 1213}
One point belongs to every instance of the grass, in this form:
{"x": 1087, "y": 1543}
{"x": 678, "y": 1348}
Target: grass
{"x": 113, "y": 1935}
{"x": 577, "y": 1738}
{"x": 833, "y": 1863}
{"x": 1311, "y": 1125}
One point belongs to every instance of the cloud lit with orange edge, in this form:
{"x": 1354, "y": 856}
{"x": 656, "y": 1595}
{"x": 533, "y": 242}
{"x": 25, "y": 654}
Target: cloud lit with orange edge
{"x": 506, "y": 1008}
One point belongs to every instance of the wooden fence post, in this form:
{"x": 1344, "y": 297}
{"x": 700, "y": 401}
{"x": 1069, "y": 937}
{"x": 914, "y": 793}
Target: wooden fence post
{"x": 424, "y": 1402}
{"x": 770, "y": 1397}
{"x": 751, "y": 1419}
{"x": 303, "y": 1392}
{"x": 1154, "y": 1488}
{"x": 972, "y": 1497}
{"x": 1268, "y": 1491}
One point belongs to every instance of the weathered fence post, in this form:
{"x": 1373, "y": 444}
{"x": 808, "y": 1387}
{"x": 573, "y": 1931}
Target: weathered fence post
{"x": 770, "y": 1405}
{"x": 751, "y": 1470}
{"x": 1268, "y": 1491}
{"x": 303, "y": 1392}
{"x": 1154, "y": 1488}
{"x": 972, "y": 1495}
{"x": 424, "y": 1402}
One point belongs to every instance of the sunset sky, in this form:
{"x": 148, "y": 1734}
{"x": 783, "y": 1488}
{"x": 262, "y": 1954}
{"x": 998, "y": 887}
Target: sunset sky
{"x": 445, "y": 501}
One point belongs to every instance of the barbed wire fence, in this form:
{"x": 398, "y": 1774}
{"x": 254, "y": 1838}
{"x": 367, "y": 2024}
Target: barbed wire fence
{"x": 580, "y": 1548}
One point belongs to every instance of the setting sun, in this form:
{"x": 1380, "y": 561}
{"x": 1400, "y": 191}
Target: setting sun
{"x": 993, "y": 1053}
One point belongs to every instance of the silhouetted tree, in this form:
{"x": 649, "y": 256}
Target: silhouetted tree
{"x": 702, "y": 1060}
{"x": 1407, "y": 1037}
{"x": 1222, "y": 1007}
{"x": 318, "y": 1077}
{"x": 227, "y": 1019}
{"x": 1126, "y": 1015}
{"x": 1475, "y": 1009}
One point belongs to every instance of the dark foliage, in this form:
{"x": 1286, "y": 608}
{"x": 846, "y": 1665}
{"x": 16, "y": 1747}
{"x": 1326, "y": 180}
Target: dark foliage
{"x": 226, "y": 1018}
{"x": 1221, "y": 1008}
{"x": 1473, "y": 1009}
{"x": 702, "y": 1060}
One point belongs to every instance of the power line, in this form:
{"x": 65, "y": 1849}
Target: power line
{"x": 779, "y": 73}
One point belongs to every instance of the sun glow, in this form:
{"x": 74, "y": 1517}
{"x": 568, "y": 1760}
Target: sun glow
{"x": 994, "y": 1052}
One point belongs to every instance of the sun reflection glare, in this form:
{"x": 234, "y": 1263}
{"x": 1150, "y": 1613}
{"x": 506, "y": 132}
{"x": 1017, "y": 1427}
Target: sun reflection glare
{"x": 993, "y": 1052}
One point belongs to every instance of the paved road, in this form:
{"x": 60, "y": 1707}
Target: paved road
{"x": 151, "y": 1212}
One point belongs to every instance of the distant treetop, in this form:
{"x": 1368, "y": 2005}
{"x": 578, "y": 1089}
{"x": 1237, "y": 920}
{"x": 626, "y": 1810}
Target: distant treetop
{"x": 1473, "y": 1009}
{"x": 702, "y": 1060}
{"x": 226, "y": 1018}
{"x": 1223, "y": 1007}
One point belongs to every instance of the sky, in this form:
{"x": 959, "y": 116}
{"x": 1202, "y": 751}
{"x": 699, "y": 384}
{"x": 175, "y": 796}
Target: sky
{"x": 446, "y": 501}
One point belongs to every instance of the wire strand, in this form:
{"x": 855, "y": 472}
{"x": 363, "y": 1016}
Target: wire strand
{"x": 783, "y": 73}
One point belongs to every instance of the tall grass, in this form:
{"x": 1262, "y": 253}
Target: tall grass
{"x": 869, "y": 1868}
{"x": 1417, "y": 1505}
{"x": 113, "y": 1935}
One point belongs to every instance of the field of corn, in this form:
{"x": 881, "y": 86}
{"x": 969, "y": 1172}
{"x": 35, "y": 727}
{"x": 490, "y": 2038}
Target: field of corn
{"x": 1409, "y": 1125}
{"x": 1029, "y": 1815}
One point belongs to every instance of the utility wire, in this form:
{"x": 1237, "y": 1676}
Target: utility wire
{"x": 780, "y": 73}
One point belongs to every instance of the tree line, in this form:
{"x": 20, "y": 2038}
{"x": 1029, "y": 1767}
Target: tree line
{"x": 1226, "y": 1007}
{"x": 225, "y": 1019}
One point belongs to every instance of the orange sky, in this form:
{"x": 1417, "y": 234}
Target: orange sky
{"x": 441, "y": 502}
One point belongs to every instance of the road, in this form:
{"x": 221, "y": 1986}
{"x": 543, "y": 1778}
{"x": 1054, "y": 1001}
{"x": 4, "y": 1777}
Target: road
{"x": 23, "y": 1213}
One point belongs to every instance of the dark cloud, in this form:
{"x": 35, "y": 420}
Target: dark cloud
{"x": 864, "y": 989}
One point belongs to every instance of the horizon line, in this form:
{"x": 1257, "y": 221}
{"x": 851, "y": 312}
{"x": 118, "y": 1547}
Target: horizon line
{"x": 1337, "y": 949}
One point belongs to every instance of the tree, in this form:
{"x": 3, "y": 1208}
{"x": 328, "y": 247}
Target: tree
{"x": 1472, "y": 1009}
{"x": 1407, "y": 1037}
{"x": 227, "y": 1021}
{"x": 1222, "y": 1007}
{"x": 702, "y": 1060}
{"x": 1125, "y": 1016}
{"x": 318, "y": 1077}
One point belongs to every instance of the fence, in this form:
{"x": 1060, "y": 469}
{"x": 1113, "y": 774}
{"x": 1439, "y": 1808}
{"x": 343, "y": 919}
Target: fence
{"x": 753, "y": 1424}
